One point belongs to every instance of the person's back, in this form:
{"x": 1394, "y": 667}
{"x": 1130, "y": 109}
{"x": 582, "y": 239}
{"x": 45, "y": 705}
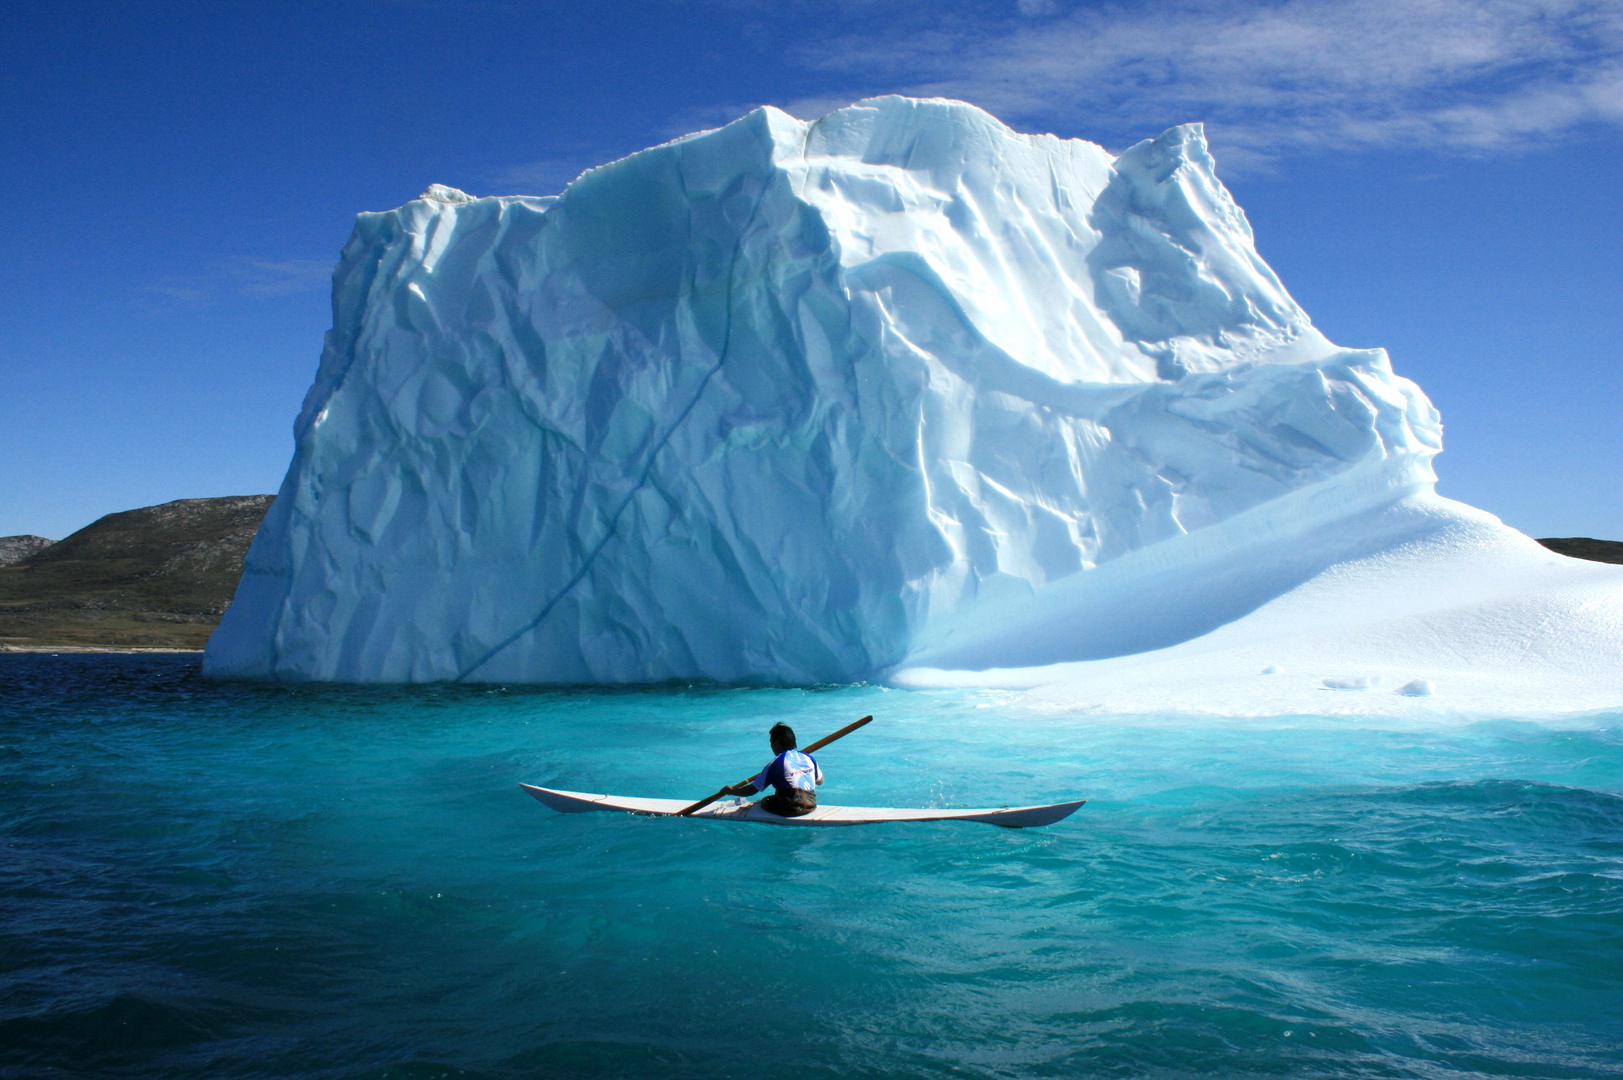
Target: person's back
{"x": 792, "y": 775}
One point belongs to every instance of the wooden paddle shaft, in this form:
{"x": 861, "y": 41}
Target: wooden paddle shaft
{"x": 818, "y": 745}
{"x": 840, "y": 734}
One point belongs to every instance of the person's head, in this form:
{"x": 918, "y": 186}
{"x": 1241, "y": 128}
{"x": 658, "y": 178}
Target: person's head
{"x": 783, "y": 738}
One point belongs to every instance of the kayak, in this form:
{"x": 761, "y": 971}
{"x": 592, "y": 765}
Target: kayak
{"x": 1011, "y": 817}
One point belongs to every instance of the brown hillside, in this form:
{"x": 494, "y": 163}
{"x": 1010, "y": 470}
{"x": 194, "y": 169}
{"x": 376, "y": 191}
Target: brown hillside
{"x": 158, "y": 577}
{"x": 1585, "y": 547}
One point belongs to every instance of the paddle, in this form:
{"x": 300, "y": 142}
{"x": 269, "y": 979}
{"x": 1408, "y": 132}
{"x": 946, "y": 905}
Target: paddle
{"x": 818, "y": 745}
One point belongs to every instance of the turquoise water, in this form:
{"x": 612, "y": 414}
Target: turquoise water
{"x": 230, "y": 880}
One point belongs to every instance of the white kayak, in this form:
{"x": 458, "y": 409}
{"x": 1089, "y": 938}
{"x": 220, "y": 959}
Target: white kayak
{"x": 1013, "y": 817}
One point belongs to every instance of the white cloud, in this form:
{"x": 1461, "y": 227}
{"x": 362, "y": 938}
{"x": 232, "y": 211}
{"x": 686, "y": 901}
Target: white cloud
{"x": 1272, "y": 77}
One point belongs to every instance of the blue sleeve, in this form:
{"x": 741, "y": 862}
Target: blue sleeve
{"x": 771, "y": 775}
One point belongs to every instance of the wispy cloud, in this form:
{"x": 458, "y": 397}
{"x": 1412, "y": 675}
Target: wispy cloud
{"x": 244, "y": 276}
{"x": 543, "y": 176}
{"x": 816, "y": 105}
{"x": 550, "y": 175}
{"x": 1271, "y": 78}
{"x": 701, "y": 118}
{"x": 279, "y": 277}
{"x": 178, "y": 291}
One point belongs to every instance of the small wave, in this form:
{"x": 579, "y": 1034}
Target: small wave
{"x": 125, "y": 1026}
{"x": 418, "y": 1070}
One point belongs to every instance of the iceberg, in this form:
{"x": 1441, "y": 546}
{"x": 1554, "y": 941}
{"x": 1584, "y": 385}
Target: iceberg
{"x": 896, "y": 394}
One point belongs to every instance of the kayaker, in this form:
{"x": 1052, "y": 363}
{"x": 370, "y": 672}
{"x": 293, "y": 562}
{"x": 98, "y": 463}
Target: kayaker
{"x": 792, "y": 775}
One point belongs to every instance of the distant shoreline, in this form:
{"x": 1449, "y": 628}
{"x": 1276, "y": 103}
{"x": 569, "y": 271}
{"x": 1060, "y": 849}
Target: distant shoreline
{"x": 155, "y": 579}
{"x": 92, "y": 649}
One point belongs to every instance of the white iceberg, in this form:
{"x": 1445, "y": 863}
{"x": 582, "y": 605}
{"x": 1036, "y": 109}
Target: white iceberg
{"x": 900, "y": 393}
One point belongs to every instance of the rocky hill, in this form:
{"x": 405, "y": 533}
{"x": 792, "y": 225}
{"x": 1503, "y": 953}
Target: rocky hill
{"x": 14, "y": 549}
{"x": 1584, "y": 547}
{"x": 158, "y": 577}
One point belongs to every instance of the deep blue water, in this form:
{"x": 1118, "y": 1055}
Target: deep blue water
{"x": 231, "y": 880}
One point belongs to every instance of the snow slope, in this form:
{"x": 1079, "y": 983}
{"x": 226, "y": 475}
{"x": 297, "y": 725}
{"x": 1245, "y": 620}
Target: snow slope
{"x": 1443, "y": 612}
{"x": 802, "y": 402}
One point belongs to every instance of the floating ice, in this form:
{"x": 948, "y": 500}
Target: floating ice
{"x": 900, "y": 389}
{"x": 1352, "y": 682}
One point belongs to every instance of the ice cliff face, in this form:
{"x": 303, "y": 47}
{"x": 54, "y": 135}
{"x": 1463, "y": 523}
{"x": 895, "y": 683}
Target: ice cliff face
{"x": 794, "y": 402}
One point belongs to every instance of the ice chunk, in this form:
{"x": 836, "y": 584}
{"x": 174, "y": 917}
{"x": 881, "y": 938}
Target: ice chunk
{"x": 1352, "y": 682}
{"x": 442, "y": 194}
{"x": 802, "y": 402}
{"x": 1415, "y": 688}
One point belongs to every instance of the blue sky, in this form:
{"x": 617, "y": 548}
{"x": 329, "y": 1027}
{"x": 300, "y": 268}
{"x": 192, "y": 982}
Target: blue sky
{"x": 1438, "y": 177}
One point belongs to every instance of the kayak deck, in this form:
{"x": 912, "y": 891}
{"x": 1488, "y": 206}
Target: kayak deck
{"x": 1016, "y": 817}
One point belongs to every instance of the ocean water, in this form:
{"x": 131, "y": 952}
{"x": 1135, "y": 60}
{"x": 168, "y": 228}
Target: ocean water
{"x": 249, "y": 881}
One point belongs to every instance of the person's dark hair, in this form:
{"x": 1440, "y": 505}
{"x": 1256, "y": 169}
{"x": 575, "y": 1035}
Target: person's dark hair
{"x": 782, "y": 735}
